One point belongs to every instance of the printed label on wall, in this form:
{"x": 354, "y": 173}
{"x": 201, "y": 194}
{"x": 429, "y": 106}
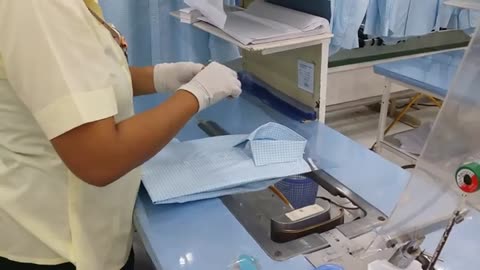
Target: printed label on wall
{"x": 306, "y": 76}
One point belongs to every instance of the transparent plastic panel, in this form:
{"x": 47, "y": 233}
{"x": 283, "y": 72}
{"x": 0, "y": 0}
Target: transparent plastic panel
{"x": 434, "y": 192}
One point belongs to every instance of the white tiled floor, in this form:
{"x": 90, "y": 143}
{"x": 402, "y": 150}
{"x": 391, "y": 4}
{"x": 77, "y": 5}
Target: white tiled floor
{"x": 359, "y": 124}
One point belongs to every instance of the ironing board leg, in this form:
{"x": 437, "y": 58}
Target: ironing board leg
{"x": 383, "y": 114}
{"x": 403, "y": 112}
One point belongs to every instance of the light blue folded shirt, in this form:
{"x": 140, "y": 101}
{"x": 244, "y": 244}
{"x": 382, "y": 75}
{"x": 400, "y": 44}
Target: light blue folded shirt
{"x": 274, "y": 143}
{"x": 422, "y": 16}
{"x": 347, "y": 16}
{"x": 377, "y": 21}
{"x": 468, "y": 19}
{"x": 401, "y": 18}
{"x": 399, "y": 12}
{"x": 256, "y": 186}
{"x": 406, "y": 18}
{"x": 218, "y": 166}
{"x": 445, "y": 16}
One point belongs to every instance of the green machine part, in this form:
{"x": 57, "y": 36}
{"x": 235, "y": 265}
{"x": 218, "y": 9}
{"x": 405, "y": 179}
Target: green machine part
{"x": 467, "y": 177}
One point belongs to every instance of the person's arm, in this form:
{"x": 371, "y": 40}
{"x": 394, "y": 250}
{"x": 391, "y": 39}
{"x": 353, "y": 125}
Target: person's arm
{"x": 160, "y": 78}
{"x": 68, "y": 90}
{"x": 142, "y": 80}
{"x": 101, "y": 152}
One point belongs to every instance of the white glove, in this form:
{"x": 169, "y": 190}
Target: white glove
{"x": 170, "y": 76}
{"x": 214, "y": 83}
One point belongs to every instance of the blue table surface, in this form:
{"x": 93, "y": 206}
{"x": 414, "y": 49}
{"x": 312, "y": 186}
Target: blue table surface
{"x": 433, "y": 73}
{"x": 206, "y": 236}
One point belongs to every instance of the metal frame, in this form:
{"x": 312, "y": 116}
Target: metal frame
{"x": 353, "y": 254}
{"x": 468, "y": 4}
{"x": 322, "y": 101}
{"x": 254, "y": 211}
{"x": 367, "y": 101}
{"x": 286, "y": 45}
{"x": 396, "y": 150}
{"x": 322, "y": 40}
{"x": 383, "y": 61}
{"x": 377, "y": 98}
{"x": 381, "y": 143}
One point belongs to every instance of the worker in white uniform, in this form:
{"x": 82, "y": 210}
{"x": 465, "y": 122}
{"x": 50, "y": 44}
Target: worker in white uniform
{"x": 69, "y": 141}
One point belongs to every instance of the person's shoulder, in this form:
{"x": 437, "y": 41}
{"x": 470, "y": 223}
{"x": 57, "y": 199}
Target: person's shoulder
{"x": 48, "y": 13}
{"x": 28, "y": 6}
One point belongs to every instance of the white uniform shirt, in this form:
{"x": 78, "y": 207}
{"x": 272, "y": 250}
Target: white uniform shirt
{"x": 59, "y": 69}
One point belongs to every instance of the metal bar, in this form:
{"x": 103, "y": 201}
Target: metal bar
{"x": 435, "y": 101}
{"x": 388, "y": 60}
{"x": 404, "y": 111}
{"x": 426, "y": 229}
{"x": 211, "y": 128}
{"x": 368, "y": 101}
{"x": 322, "y": 102}
{"x": 396, "y": 150}
{"x": 417, "y": 89}
{"x": 383, "y": 114}
{"x": 444, "y": 240}
{"x": 294, "y": 46}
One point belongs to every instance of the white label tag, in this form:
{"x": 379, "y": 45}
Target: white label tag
{"x": 306, "y": 76}
{"x": 305, "y": 212}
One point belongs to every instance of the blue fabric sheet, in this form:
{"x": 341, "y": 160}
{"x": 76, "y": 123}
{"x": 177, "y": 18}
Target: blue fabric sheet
{"x": 433, "y": 73}
{"x": 274, "y": 143}
{"x": 406, "y": 18}
{"x": 213, "y": 167}
{"x": 422, "y": 16}
{"x": 251, "y": 187}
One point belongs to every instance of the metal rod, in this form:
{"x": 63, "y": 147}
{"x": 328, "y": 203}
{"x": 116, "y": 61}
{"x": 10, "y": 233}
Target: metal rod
{"x": 383, "y": 115}
{"x": 435, "y": 101}
{"x": 211, "y": 128}
{"x": 403, "y": 112}
{"x": 444, "y": 240}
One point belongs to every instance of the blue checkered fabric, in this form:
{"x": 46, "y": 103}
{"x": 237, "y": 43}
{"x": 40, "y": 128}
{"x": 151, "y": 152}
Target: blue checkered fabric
{"x": 212, "y": 167}
{"x": 273, "y": 143}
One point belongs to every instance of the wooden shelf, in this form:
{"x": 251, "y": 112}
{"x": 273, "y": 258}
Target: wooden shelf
{"x": 265, "y": 48}
{"x": 468, "y": 4}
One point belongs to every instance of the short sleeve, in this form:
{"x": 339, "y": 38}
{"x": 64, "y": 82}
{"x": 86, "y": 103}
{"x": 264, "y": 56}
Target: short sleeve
{"x": 55, "y": 63}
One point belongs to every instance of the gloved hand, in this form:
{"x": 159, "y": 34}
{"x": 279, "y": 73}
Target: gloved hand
{"x": 170, "y": 76}
{"x": 214, "y": 83}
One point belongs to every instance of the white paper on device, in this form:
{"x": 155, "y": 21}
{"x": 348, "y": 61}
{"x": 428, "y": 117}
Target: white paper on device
{"x": 212, "y": 9}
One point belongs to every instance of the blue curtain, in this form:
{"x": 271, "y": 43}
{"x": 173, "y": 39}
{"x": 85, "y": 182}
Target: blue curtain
{"x": 156, "y": 37}
{"x": 406, "y": 18}
{"x": 347, "y": 16}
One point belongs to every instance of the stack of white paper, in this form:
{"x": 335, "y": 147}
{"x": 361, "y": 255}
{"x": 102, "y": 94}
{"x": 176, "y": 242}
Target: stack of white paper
{"x": 212, "y": 9}
{"x": 189, "y": 15}
{"x": 262, "y": 22}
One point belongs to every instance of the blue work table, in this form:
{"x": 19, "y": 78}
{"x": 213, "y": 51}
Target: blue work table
{"x": 429, "y": 75}
{"x": 432, "y": 74}
{"x": 206, "y": 236}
